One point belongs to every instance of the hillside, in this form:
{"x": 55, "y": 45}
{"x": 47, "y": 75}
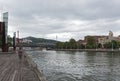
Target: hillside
{"x": 39, "y": 41}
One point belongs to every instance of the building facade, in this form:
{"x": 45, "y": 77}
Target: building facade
{"x": 5, "y": 19}
{"x": 108, "y": 38}
{"x": 101, "y": 39}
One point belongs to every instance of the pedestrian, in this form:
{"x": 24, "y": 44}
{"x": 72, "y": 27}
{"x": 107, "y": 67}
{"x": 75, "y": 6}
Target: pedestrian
{"x": 20, "y": 52}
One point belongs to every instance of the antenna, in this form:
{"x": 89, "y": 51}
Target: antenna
{"x": 56, "y": 37}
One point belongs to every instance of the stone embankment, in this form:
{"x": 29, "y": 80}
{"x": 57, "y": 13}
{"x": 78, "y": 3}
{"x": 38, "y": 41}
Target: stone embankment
{"x": 92, "y": 50}
{"x": 34, "y": 66}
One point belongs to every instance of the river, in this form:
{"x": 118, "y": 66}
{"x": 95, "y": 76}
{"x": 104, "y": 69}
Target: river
{"x": 78, "y": 66}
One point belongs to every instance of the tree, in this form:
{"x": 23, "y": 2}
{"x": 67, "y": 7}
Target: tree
{"x": 113, "y": 44}
{"x": 108, "y": 45}
{"x": 79, "y": 46}
{"x": 118, "y": 44}
{"x": 73, "y": 44}
{"x": 99, "y": 45}
{"x": 9, "y": 41}
{"x": 59, "y": 45}
{"x": 66, "y": 45}
{"x": 90, "y": 42}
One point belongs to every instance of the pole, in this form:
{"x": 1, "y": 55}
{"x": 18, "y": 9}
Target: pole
{"x": 14, "y": 41}
{"x": 96, "y": 46}
{"x": 112, "y": 46}
{"x": 18, "y": 41}
{"x": 85, "y": 47}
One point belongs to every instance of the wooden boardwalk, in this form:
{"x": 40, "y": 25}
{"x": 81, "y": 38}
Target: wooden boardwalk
{"x": 12, "y": 69}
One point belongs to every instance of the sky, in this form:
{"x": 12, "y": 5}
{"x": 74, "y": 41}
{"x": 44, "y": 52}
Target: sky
{"x": 62, "y": 19}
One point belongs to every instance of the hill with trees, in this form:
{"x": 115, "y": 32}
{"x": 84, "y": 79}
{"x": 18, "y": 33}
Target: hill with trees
{"x": 38, "y": 42}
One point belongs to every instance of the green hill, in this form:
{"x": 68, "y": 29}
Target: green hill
{"x": 39, "y": 41}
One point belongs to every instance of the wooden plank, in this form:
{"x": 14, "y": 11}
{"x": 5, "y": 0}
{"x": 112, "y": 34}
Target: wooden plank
{"x": 12, "y": 69}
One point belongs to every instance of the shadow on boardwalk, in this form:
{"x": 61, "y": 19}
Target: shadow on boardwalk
{"x": 12, "y": 69}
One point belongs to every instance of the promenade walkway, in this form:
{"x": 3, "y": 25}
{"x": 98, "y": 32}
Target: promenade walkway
{"x": 12, "y": 69}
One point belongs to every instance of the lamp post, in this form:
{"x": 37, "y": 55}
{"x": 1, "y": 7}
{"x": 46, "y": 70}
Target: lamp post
{"x": 96, "y": 46}
{"x": 85, "y": 47}
{"x": 14, "y": 41}
{"x": 112, "y": 46}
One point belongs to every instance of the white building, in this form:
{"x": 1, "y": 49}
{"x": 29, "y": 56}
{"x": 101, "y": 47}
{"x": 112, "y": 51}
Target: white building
{"x": 26, "y": 41}
{"x": 108, "y": 38}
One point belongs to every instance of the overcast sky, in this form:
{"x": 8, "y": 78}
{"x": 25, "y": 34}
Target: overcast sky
{"x": 62, "y": 18}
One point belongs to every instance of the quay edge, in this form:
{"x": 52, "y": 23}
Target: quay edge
{"x": 91, "y": 50}
{"x": 32, "y": 64}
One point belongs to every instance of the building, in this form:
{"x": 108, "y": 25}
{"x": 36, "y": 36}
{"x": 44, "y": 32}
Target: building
{"x": 101, "y": 39}
{"x": 82, "y": 42}
{"x": 3, "y": 32}
{"x": 3, "y": 37}
{"x": 108, "y": 38}
{"x": 25, "y": 41}
{"x": 5, "y": 20}
{"x": 1, "y": 29}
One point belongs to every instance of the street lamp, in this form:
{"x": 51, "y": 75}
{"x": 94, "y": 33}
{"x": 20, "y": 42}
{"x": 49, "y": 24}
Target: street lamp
{"x": 112, "y": 46}
{"x": 85, "y": 46}
{"x": 96, "y": 46}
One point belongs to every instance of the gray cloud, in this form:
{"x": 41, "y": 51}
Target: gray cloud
{"x": 48, "y": 18}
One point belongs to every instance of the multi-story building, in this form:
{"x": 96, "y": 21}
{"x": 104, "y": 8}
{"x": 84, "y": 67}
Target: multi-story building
{"x": 25, "y": 41}
{"x": 101, "y": 39}
{"x": 108, "y": 38}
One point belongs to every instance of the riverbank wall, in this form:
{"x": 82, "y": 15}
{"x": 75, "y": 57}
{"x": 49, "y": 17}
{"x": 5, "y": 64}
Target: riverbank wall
{"x": 91, "y": 50}
{"x": 34, "y": 66}
{"x": 6, "y": 52}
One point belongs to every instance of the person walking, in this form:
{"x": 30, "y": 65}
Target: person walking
{"x": 20, "y": 53}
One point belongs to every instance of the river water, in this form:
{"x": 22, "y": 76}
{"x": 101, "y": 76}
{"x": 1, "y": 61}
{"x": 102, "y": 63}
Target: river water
{"x": 78, "y": 66}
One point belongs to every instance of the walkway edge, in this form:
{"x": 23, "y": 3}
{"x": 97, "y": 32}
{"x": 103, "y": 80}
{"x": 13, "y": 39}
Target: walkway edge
{"x": 32, "y": 64}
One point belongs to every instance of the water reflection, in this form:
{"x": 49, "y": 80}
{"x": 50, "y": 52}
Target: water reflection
{"x": 78, "y": 66}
